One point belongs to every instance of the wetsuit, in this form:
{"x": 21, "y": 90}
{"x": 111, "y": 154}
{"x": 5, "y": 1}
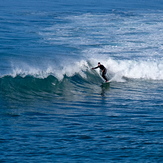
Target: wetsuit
{"x": 104, "y": 70}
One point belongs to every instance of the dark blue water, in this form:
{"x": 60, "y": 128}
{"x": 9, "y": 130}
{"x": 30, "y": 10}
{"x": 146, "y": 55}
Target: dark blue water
{"x": 54, "y": 107}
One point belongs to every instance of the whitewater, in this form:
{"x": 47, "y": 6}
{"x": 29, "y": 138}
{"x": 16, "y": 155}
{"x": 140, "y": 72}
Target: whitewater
{"x": 54, "y": 107}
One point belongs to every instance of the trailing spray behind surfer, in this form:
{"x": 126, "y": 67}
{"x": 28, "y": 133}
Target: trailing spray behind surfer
{"x": 103, "y": 69}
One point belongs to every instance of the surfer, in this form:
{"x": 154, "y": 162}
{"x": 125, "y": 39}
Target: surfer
{"x": 103, "y": 69}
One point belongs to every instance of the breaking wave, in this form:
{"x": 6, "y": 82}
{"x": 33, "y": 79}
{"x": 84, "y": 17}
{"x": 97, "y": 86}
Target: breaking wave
{"x": 79, "y": 75}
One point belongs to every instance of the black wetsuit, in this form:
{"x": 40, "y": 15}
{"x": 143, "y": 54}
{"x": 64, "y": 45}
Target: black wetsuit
{"x": 104, "y": 70}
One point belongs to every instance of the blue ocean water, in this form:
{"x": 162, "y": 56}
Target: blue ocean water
{"x": 54, "y": 107}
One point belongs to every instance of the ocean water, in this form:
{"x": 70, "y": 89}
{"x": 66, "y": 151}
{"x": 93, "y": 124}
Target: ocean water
{"x": 54, "y": 107}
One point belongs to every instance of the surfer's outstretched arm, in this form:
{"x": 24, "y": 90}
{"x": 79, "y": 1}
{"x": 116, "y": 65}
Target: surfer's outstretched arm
{"x": 94, "y": 68}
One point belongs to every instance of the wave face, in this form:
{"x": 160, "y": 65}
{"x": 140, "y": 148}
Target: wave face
{"x": 34, "y": 82}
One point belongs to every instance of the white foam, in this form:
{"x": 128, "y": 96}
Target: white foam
{"x": 136, "y": 69}
{"x": 78, "y": 67}
{"x": 122, "y": 34}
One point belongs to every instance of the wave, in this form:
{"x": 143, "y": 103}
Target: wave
{"x": 31, "y": 83}
{"x": 30, "y": 88}
{"x": 79, "y": 75}
{"x": 28, "y": 82}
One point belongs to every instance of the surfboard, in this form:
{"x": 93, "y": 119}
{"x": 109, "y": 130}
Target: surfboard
{"x": 53, "y": 84}
{"x": 105, "y": 85}
{"x": 107, "y": 82}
